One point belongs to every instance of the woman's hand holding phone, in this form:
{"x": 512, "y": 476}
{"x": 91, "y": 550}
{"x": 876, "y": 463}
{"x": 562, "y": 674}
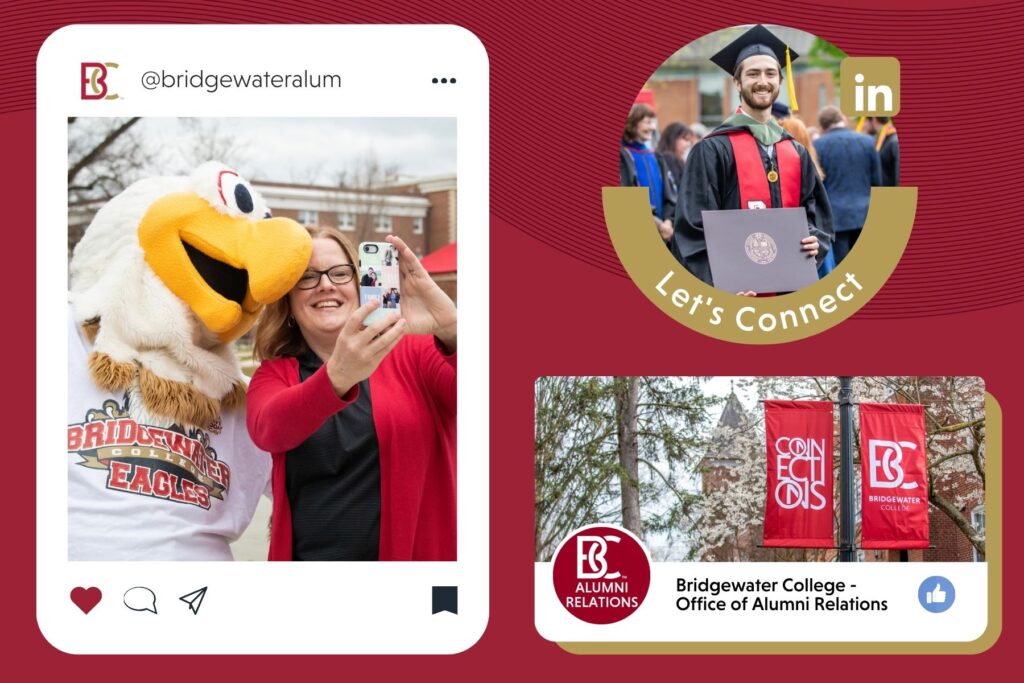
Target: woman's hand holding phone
{"x": 425, "y": 307}
{"x": 359, "y": 350}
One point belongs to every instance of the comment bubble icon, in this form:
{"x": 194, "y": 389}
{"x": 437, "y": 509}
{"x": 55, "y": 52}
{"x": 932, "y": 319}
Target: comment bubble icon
{"x": 140, "y": 599}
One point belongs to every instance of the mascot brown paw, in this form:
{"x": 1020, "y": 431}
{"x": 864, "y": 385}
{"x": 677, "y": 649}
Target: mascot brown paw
{"x": 110, "y": 374}
{"x": 180, "y": 402}
{"x": 235, "y": 398}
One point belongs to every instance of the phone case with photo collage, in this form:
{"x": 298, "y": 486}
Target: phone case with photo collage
{"x": 378, "y": 278}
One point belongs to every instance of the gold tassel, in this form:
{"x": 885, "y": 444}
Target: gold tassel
{"x": 882, "y": 135}
{"x": 860, "y": 124}
{"x": 793, "y": 106}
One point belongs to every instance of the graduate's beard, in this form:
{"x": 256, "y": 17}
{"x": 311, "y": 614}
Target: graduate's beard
{"x": 747, "y": 97}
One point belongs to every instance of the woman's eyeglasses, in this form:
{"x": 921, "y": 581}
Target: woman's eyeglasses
{"x": 339, "y": 275}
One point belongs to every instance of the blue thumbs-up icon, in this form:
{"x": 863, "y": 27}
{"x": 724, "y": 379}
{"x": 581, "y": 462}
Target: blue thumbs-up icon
{"x": 936, "y": 594}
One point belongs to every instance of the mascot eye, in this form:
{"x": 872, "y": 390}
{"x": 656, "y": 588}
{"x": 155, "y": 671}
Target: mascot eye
{"x": 235, "y": 193}
{"x": 243, "y": 198}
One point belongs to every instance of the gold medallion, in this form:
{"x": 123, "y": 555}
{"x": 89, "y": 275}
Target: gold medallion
{"x": 772, "y": 176}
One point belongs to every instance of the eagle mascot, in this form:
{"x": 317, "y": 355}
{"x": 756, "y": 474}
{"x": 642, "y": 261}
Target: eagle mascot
{"x": 169, "y": 273}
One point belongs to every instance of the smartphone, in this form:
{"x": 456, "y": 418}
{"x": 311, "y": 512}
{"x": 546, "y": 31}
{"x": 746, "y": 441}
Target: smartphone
{"x": 378, "y": 278}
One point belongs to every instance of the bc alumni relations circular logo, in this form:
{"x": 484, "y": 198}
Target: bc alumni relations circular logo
{"x": 601, "y": 574}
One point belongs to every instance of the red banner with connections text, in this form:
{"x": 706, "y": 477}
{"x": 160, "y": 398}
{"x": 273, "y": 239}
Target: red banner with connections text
{"x": 798, "y": 510}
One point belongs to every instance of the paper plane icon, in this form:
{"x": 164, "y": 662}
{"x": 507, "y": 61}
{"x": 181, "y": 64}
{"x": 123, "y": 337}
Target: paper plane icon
{"x": 194, "y": 599}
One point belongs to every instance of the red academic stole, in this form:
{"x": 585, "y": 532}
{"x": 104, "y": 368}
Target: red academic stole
{"x": 754, "y": 192}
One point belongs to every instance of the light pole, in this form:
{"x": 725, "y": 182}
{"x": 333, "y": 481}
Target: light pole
{"x": 847, "y": 553}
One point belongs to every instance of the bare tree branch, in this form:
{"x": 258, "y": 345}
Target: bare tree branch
{"x": 100, "y": 148}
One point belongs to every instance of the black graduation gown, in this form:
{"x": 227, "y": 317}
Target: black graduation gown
{"x": 710, "y": 183}
{"x": 890, "y": 158}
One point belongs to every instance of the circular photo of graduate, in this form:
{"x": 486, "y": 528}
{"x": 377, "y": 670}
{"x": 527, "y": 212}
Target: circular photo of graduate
{"x": 757, "y": 183}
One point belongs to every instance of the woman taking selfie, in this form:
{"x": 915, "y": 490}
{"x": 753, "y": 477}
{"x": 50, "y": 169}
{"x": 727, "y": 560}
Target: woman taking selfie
{"x": 360, "y": 419}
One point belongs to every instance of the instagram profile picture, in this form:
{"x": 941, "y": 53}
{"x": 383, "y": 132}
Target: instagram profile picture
{"x": 601, "y": 574}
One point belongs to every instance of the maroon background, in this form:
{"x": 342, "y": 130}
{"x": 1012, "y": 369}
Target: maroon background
{"x": 562, "y": 79}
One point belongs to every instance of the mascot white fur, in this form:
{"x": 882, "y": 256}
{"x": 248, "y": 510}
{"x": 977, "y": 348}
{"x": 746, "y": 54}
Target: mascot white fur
{"x": 167, "y": 275}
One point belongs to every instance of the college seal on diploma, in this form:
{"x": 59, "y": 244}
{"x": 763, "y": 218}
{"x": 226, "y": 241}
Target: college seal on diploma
{"x": 760, "y": 248}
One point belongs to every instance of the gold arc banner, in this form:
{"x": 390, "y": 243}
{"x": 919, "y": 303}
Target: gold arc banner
{"x": 760, "y": 320}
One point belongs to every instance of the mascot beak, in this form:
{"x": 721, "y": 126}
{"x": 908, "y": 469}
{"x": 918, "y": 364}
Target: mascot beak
{"x": 224, "y": 267}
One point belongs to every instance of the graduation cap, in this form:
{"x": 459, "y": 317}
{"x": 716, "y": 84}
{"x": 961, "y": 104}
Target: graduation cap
{"x": 758, "y": 41}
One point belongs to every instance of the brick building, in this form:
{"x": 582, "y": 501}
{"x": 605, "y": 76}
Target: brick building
{"x": 422, "y": 212}
{"x": 440, "y": 227}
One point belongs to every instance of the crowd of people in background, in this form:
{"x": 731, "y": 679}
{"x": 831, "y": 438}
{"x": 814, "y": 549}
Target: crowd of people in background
{"x": 850, "y": 159}
{"x": 641, "y": 166}
{"x": 658, "y": 167}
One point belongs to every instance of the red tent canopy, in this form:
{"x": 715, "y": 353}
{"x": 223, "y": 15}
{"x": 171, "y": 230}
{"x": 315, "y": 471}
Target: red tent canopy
{"x": 440, "y": 261}
{"x": 645, "y": 97}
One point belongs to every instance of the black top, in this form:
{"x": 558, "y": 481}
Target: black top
{"x": 890, "y": 157}
{"x": 333, "y": 482}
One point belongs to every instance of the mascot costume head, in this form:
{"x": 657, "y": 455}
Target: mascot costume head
{"x": 168, "y": 274}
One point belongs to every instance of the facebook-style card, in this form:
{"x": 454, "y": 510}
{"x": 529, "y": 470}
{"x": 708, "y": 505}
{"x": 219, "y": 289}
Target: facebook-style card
{"x": 783, "y": 514}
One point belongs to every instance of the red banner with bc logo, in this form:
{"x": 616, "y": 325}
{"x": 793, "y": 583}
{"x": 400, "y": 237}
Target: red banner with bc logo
{"x": 894, "y": 479}
{"x": 798, "y": 511}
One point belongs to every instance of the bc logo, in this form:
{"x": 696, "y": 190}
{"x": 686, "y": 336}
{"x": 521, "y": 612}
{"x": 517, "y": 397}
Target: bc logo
{"x": 94, "y": 81}
{"x": 582, "y": 580}
{"x": 590, "y": 550}
{"x": 889, "y": 462}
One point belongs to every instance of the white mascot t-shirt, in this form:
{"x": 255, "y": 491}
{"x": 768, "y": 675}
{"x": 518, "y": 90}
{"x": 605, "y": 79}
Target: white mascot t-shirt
{"x": 146, "y": 492}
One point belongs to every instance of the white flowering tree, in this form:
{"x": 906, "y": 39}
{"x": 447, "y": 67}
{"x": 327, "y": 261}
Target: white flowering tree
{"x": 731, "y": 506}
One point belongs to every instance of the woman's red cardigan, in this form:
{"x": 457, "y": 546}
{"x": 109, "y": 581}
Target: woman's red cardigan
{"x": 413, "y": 405}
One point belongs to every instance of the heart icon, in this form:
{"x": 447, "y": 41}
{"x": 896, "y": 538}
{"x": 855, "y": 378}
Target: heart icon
{"x": 86, "y": 598}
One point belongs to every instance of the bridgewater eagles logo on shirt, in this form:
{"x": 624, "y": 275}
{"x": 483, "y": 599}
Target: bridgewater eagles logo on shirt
{"x": 169, "y": 463}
